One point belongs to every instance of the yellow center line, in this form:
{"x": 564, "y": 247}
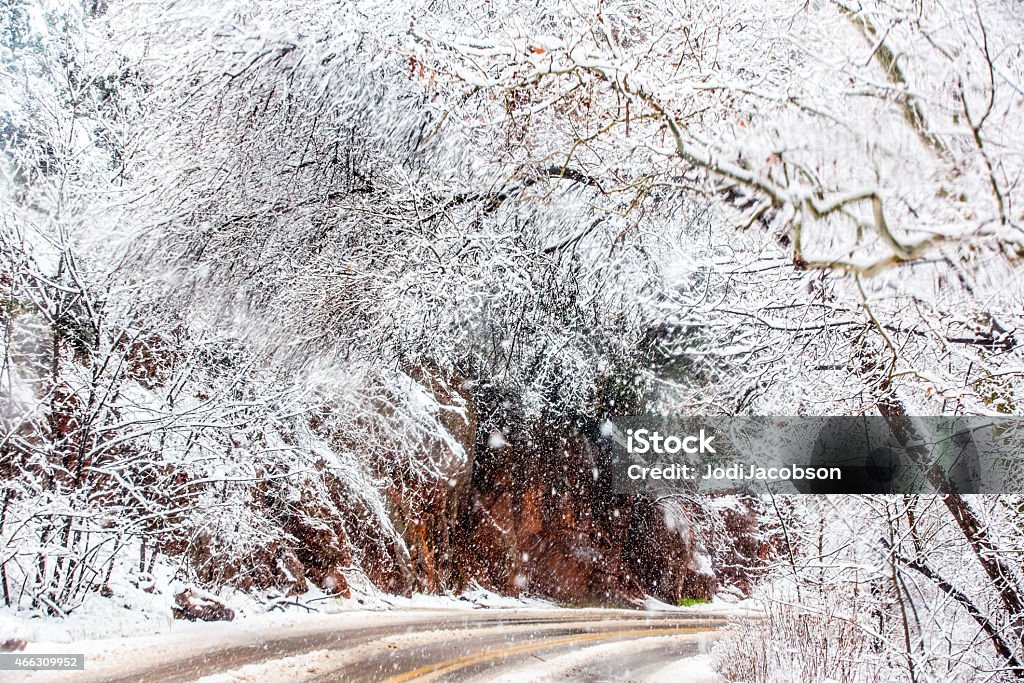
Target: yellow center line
{"x": 432, "y": 671}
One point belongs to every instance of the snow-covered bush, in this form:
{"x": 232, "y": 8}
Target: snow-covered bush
{"x": 877, "y": 588}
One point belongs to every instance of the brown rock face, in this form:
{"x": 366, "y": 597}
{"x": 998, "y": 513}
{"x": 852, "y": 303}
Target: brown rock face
{"x": 528, "y": 510}
{"x": 322, "y": 543}
{"x": 332, "y": 539}
{"x": 540, "y": 522}
{"x": 665, "y": 552}
{"x": 544, "y": 521}
{"x": 428, "y": 512}
{"x": 334, "y": 583}
{"x": 533, "y": 512}
{"x": 294, "y": 572}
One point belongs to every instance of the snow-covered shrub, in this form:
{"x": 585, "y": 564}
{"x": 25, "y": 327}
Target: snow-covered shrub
{"x": 876, "y": 588}
{"x": 790, "y": 643}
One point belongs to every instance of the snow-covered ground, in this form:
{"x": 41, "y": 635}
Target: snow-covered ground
{"x": 144, "y": 608}
{"x": 720, "y": 604}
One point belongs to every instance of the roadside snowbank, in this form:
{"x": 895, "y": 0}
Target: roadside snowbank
{"x": 720, "y": 604}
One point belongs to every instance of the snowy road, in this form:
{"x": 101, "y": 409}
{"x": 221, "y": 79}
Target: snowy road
{"x": 435, "y": 645}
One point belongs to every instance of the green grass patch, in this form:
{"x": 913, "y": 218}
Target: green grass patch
{"x": 690, "y": 602}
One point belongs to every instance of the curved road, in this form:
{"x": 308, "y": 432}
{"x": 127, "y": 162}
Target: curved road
{"x": 443, "y": 645}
